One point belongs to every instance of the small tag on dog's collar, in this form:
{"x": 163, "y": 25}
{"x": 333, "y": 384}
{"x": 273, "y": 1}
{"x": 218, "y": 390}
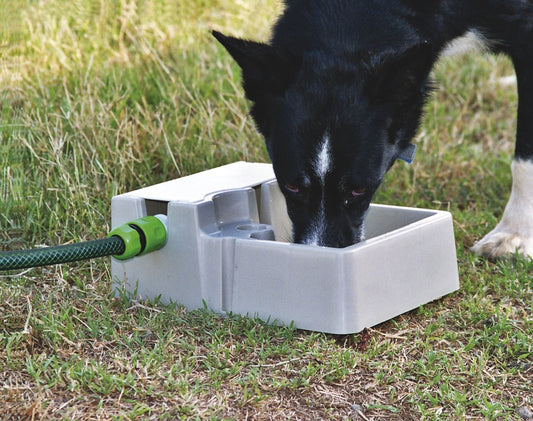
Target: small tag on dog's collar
{"x": 408, "y": 154}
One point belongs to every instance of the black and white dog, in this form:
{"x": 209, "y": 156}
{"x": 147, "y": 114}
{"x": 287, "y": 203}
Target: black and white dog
{"x": 339, "y": 91}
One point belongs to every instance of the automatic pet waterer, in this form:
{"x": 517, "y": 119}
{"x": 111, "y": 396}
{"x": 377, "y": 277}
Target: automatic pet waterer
{"x": 221, "y": 250}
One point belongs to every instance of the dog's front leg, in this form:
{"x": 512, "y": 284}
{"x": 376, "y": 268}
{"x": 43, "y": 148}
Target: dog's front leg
{"x": 514, "y": 233}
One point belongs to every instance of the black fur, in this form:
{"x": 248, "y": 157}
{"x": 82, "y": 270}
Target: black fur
{"x": 358, "y": 72}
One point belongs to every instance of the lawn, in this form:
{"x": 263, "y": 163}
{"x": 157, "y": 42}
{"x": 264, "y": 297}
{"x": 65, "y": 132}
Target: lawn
{"x": 99, "y": 98}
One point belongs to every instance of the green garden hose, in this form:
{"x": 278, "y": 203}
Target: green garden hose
{"x": 124, "y": 242}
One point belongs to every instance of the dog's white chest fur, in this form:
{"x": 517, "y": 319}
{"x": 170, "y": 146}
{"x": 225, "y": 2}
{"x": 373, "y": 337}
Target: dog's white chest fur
{"x": 471, "y": 41}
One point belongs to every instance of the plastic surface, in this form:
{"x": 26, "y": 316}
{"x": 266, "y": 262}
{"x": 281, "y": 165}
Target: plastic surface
{"x": 221, "y": 250}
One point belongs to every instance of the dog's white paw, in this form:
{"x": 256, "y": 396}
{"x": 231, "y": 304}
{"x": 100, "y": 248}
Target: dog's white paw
{"x": 515, "y": 231}
{"x": 498, "y": 244}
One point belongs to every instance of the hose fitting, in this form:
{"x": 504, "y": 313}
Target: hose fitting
{"x": 141, "y": 236}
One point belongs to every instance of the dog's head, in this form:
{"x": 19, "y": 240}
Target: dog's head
{"x": 333, "y": 127}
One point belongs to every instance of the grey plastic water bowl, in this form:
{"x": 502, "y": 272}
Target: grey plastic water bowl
{"x": 225, "y": 247}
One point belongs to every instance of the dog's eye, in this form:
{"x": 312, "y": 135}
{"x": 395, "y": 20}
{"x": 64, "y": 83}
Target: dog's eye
{"x": 358, "y": 192}
{"x": 292, "y": 188}
{"x": 354, "y": 195}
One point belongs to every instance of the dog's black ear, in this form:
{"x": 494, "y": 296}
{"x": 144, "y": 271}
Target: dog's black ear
{"x": 264, "y": 70}
{"x": 403, "y": 73}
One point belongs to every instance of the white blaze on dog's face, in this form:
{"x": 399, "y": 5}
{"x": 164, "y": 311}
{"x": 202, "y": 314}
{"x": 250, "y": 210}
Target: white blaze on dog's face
{"x": 323, "y": 161}
{"x": 321, "y": 166}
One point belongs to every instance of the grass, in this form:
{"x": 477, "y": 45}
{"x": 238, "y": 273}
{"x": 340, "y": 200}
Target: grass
{"x": 98, "y": 98}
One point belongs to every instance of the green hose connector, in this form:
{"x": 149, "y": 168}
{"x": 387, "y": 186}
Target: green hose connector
{"x": 141, "y": 236}
{"x": 124, "y": 242}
